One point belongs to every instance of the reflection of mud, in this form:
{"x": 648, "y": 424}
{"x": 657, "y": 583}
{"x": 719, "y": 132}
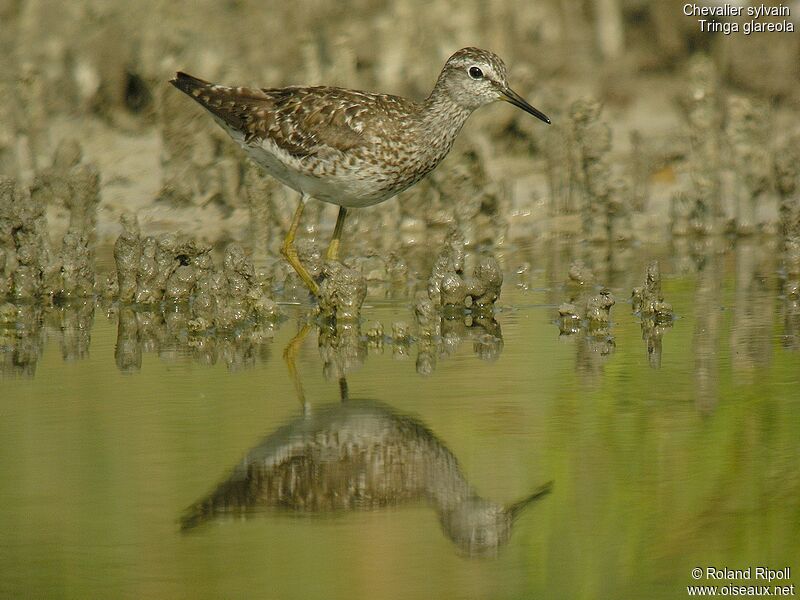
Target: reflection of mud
{"x": 706, "y": 337}
{"x": 788, "y": 177}
{"x": 753, "y": 308}
{"x": 25, "y": 328}
{"x": 168, "y": 333}
{"x": 656, "y": 315}
{"x": 344, "y": 349}
{"x": 170, "y": 328}
{"x": 485, "y": 333}
{"x": 587, "y": 316}
{"x": 791, "y": 317}
{"x": 360, "y": 455}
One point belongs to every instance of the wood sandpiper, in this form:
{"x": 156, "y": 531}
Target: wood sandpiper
{"x": 352, "y": 148}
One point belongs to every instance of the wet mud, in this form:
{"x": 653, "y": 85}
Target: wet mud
{"x": 120, "y": 160}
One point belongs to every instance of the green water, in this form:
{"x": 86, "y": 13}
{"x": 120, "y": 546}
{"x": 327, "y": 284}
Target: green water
{"x": 685, "y": 457}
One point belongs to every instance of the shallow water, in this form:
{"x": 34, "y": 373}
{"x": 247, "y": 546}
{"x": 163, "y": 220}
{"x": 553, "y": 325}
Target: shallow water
{"x": 684, "y": 455}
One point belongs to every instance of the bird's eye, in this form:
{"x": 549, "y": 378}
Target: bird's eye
{"x": 475, "y": 73}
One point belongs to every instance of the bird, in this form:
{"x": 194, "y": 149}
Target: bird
{"x": 352, "y": 148}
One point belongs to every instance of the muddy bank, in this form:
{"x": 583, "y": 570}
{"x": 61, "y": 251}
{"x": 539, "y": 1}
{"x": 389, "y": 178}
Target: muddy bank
{"x": 671, "y": 138}
{"x": 159, "y": 159}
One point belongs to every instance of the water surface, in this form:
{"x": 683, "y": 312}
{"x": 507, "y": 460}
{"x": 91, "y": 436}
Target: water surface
{"x": 663, "y": 456}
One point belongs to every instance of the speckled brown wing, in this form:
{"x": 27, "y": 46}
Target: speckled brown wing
{"x": 301, "y": 121}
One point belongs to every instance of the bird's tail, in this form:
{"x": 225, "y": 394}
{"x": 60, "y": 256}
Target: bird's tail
{"x": 228, "y": 105}
{"x": 189, "y": 84}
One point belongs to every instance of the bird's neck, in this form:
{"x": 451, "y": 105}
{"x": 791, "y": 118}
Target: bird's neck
{"x": 442, "y": 118}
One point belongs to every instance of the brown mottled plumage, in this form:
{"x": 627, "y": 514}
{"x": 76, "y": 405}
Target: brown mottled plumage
{"x": 360, "y": 455}
{"x": 352, "y": 148}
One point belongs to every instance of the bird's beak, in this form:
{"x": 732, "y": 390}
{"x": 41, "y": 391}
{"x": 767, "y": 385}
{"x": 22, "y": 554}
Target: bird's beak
{"x": 516, "y": 509}
{"x": 509, "y": 95}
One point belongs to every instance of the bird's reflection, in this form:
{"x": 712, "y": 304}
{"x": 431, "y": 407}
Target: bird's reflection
{"x": 359, "y": 455}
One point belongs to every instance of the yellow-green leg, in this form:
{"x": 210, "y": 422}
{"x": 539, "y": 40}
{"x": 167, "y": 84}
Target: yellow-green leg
{"x": 290, "y": 356}
{"x": 289, "y": 252}
{"x": 333, "y": 247}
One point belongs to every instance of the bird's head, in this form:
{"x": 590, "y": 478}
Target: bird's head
{"x": 473, "y": 77}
